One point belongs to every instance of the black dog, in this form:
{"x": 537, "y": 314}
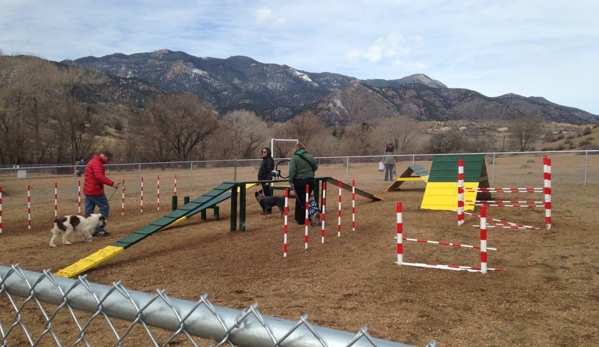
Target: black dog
{"x": 268, "y": 202}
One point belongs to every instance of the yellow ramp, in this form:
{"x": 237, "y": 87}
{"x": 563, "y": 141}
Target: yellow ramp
{"x": 444, "y": 196}
{"x": 89, "y": 261}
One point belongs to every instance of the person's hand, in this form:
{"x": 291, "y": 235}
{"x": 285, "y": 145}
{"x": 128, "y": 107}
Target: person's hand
{"x": 291, "y": 185}
{"x": 115, "y": 185}
{"x": 266, "y": 184}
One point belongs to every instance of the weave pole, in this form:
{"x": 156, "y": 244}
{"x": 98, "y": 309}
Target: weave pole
{"x": 141, "y": 196}
{"x": 339, "y": 210}
{"x": 323, "y": 208}
{"x": 123, "y": 199}
{"x": 55, "y": 200}
{"x": 157, "y": 193}
{"x": 353, "y": 205}
{"x": 460, "y": 192}
{"x": 285, "y": 228}
{"x": 79, "y": 198}
{"x": 0, "y": 209}
{"x": 399, "y": 231}
{"x": 307, "y": 217}
{"x": 175, "y": 187}
{"x": 547, "y": 190}
{"x": 28, "y": 206}
{"x": 483, "y": 239}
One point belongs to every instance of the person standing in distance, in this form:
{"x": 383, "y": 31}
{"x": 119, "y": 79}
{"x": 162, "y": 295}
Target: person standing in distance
{"x": 301, "y": 172}
{"x": 93, "y": 188}
{"x": 265, "y": 172}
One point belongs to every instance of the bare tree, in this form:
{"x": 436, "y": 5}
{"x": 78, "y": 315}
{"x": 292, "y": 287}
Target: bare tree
{"x": 245, "y": 134}
{"x": 180, "y": 121}
{"x": 525, "y": 131}
{"x": 446, "y": 142}
{"x": 400, "y": 131}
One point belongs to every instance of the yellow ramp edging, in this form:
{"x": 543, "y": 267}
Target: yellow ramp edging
{"x": 89, "y": 261}
{"x": 175, "y": 222}
{"x": 444, "y": 196}
{"x": 247, "y": 186}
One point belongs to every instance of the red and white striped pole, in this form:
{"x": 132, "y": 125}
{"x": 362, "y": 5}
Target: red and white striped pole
{"x": 460, "y": 192}
{"x": 285, "y": 228}
{"x": 175, "y": 186}
{"x": 55, "y": 200}
{"x": 157, "y": 193}
{"x": 307, "y": 216}
{"x": 547, "y": 190}
{"x": 0, "y": 209}
{"x": 141, "y": 196}
{"x": 399, "y": 210}
{"x": 339, "y": 211}
{"x": 323, "y": 208}
{"x": 79, "y": 198}
{"x": 28, "y": 206}
{"x": 483, "y": 239}
{"x": 353, "y": 205}
{"x": 123, "y": 198}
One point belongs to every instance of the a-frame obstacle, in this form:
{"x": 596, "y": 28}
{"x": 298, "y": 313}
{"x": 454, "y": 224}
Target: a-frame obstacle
{"x": 414, "y": 173}
{"x": 441, "y": 191}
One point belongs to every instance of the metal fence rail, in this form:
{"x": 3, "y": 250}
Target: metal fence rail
{"x": 200, "y": 319}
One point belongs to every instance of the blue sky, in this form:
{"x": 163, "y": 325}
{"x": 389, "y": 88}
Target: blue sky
{"x": 527, "y": 47}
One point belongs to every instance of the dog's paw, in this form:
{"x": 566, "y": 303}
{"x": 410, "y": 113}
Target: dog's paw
{"x": 67, "y": 243}
{"x": 52, "y": 245}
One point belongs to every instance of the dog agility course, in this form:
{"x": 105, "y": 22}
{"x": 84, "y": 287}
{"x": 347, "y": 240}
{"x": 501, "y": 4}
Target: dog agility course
{"x": 225, "y": 191}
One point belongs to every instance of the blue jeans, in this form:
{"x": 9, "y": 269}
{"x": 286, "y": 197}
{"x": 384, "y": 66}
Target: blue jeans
{"x": 389, "y": 172}
{"x": 91, "y": 201}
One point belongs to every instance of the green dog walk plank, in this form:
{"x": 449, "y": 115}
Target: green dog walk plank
{"x": 164, "y": 221}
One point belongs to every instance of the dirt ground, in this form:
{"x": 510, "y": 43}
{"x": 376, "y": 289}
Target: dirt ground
{"x": 546, "y": 294}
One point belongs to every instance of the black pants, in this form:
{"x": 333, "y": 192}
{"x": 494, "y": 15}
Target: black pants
{"x": 266, "y": 189}
{"x": 299, "y": 186}
{"x": 267, "y": 192}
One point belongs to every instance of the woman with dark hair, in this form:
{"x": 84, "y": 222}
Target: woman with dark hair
{"x": 265, "y": 172}
{"x": 301, "y": 173}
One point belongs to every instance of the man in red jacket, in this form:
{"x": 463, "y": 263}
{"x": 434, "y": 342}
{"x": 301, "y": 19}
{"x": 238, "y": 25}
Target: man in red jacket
{"x": 93, "y": 188}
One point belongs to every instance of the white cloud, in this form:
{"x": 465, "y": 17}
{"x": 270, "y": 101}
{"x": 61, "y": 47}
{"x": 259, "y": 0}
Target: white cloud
{"x": 266, "y": 17}
{"x": 392, "y": 46}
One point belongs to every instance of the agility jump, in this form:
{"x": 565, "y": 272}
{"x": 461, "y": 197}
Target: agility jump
{"x": 546, "y": 204}
{"x": 483, "y": 268}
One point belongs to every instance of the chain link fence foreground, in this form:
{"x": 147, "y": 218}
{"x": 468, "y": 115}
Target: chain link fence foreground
{"x": 55, "y": 311}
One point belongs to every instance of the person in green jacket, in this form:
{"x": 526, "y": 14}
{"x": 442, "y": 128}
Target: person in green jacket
{"x": 301, "y": 173}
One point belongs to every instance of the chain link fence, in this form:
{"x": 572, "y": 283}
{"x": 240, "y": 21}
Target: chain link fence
{"x": 60, "y": 184}
{"x": 48, "y": 311}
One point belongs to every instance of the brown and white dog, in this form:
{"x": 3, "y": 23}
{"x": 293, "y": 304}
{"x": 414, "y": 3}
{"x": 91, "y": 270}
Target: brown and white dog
{"x": 82, "y": 225}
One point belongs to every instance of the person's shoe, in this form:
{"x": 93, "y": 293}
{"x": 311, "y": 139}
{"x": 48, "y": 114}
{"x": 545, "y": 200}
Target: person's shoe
{"x": 101, "y": 233}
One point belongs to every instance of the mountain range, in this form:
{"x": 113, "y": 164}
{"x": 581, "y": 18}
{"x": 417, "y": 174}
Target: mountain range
{"x": 277, "y": 93}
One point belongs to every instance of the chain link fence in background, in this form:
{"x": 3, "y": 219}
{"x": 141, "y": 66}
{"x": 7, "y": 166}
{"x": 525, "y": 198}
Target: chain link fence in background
{"x": 49, "y": 183}
{"x": 189, "y": 323}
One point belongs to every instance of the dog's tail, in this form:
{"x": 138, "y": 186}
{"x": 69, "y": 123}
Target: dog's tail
{"x": 60, "y": 223}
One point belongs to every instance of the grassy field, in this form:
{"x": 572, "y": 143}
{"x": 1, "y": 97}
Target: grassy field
{"x": 546, "y": 293}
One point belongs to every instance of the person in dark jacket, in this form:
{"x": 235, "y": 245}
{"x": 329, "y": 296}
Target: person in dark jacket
{"x": 93, "y": 188}
{"x": 265, "y": 172}
{"x": 301, "y": 173}
{"x": 389, "y": 161}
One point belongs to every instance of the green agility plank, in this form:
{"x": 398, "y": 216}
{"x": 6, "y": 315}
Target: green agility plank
{"x": 208, "y": 200}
